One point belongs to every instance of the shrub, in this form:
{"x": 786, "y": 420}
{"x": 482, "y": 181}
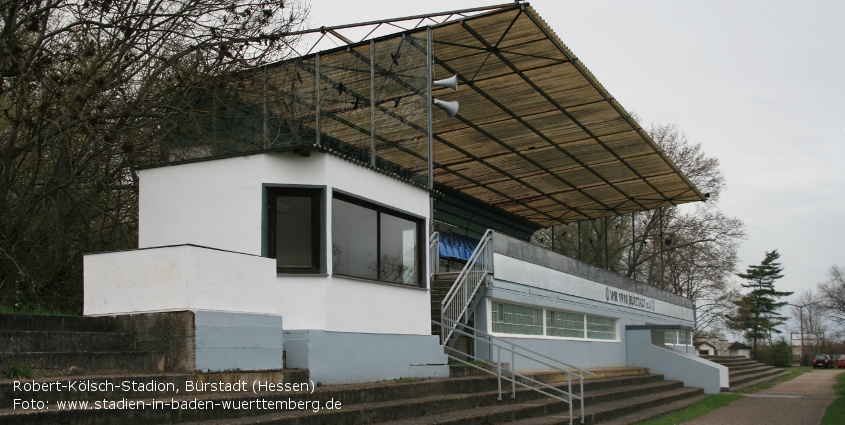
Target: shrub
{"x": 778, "y": 355}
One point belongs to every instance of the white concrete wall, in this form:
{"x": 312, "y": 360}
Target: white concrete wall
{"x": 545, "y": 278}
{"x": 219, "y": 204}
{"x": 692, "y": 370}
{"x": 177, "y": 278}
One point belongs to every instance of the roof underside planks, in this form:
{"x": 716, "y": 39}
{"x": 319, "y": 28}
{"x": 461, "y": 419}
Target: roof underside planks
{"x": 536, "y": 134}
{"x": 536, "y": 137}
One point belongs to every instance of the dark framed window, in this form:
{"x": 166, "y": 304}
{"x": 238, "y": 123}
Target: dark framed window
{"x": 295, "y": 229}
{"x": 375, "y": 242}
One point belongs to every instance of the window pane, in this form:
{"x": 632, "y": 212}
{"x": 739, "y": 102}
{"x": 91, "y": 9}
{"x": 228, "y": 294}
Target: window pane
{"x": 517, "y": 319}
{"x": 398, "y": 250}
{"x": 293, "y": 236}
{"x": 560, "y": 323}
{"x": 354, "y": 240}
{"x": 669, "y": 337}
{"x": 601, "y": 328}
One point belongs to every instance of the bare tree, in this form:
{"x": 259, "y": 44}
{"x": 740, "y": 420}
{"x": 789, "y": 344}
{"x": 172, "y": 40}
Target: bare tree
{"x": 832, "y": 294}
{"x": 88, "y": 91}
{"x": 810, "y": 321}
{"x": 698, "y": 243}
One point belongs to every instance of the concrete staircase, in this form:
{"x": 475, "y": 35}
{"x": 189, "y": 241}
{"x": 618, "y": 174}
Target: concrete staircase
{"x": 97, "y": 364}
{"x": 440, "y": 286}
{"x": 744, "y": 372}
{"x": 615, "y": 395}
{"x": 71, "y": 345}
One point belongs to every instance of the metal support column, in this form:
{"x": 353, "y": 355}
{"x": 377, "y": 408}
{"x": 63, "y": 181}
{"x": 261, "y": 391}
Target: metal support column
{"x": 372, "y": 103}
{"x": 606, "y": 243}
{"x": 579, "y": 241}
{"x": 429, "y": 93}
{"x": 633, "y": 245}
{"x": 660, "y": 241}
{"x": 266, "y": 129}
{"x": 319, "y": 98}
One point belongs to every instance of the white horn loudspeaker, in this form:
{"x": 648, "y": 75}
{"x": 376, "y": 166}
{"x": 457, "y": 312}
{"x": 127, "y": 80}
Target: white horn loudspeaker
{"x": 451, "y": 82}
{"x": 451, "y": 107}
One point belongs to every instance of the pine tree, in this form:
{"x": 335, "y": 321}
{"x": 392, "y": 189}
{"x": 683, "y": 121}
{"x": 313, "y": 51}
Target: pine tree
{"x": 756, "y": 311}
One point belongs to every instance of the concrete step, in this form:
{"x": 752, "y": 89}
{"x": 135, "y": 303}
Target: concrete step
{"x": 64, "y": 341}
{"x": 758, "y": 380}
{"x": 628, "y": 411}
{"x": 761, "y": 376}
{"x": 86, "y": 363}
{"x": 34, "y": 322}
{"x": 749, "y": 371}
{"x": 744, "y": 372}
{"x": 389, "y": 394}
{"x": 462, "y": 408}
{"x": 728, "y": 360}
{"x": 136, "y": 386}
{"x": 361, "y": 403}
{"x": 744, "y": 366}
{"x": 598, "y": 405}
{"x": 740, "y": 364}
{"x": 602, "y": 376}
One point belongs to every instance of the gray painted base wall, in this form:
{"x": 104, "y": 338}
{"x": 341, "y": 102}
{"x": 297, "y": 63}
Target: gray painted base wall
{"x": 207, "y": 341}
{"x": 238, "y": 341}
{"x": 343, "y": 357}
{"x": 580, "y": 353}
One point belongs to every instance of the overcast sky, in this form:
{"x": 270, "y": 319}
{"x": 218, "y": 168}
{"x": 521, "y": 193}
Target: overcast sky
{"x": 760, "y": 84}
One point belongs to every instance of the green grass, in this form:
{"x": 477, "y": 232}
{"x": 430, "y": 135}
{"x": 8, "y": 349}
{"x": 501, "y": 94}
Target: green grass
{"x": 840, "y": 384}
{"x": 17, "y": 370}
{"x": 799, "y": 369}
{"x": 836, "y": 411}
{"x": 711, "y": 402}
{"x": 409, "y": 380}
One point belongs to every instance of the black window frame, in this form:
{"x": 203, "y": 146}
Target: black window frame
{"x": 419, "y": 221}
{"x": 317, "y": 195}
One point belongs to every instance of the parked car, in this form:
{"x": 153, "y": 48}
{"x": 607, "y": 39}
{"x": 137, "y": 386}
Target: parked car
{"x": 841, "y": 362}
{"x": 822, "y": 360}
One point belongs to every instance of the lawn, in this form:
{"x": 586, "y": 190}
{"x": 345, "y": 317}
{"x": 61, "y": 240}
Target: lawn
{"x": 836, "y": 411}
{"x": 711, "y": 402}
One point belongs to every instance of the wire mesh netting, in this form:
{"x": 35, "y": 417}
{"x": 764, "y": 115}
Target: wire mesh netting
{"x": 367, "y": 103}
{"x": 401, "y": 113}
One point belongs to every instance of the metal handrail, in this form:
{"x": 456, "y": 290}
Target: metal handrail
{"x": 460, "y": 295}
{"x": 433, "y": 255}
{"x": 549, "y": 389}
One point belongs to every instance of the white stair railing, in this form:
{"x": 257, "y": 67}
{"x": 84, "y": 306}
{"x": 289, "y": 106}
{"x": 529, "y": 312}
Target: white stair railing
{"x": 457, "y": 301}
{"x": 433, "y": 255}
{"x": 495, "y": 366}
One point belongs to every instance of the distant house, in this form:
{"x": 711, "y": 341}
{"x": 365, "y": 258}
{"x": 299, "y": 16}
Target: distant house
{"x": 704, "y": 348}
{"x": 739, "y": 349}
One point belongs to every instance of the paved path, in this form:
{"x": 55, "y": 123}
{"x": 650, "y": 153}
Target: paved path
{"x": 800, "y": 401}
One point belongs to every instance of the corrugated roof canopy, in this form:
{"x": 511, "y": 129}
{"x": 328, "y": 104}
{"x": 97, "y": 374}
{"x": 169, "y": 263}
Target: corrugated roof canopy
{"x": 536, "y": 137}
{"x": 536, "y": 134}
